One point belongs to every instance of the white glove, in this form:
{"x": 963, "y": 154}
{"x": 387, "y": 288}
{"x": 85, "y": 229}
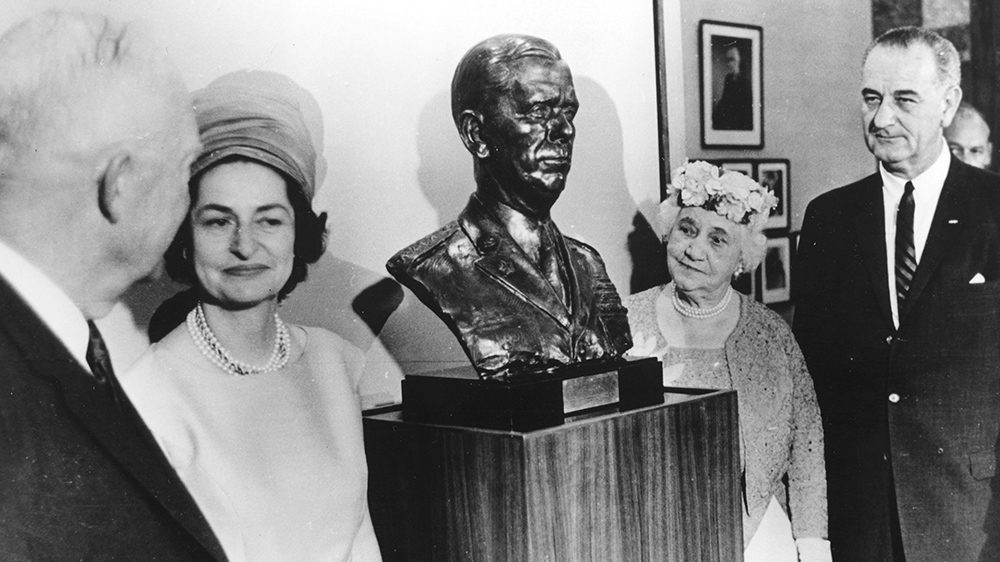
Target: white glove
{"x": 813, "y": 549}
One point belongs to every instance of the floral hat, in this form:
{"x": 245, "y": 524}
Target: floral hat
{"x": 731, "y": 194}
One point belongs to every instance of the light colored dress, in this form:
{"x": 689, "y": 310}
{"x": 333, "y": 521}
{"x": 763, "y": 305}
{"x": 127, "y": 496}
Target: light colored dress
{"x": 780, "y": 428}
{"x": 276, "y": 460}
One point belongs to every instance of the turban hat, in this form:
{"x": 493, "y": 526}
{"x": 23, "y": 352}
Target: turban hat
{"x": 265, "y": 117}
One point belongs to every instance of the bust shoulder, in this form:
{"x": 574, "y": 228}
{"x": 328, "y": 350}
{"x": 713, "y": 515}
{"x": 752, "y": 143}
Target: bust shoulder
{"x": 581, "y": 247}
{"x": 410, "y": 257}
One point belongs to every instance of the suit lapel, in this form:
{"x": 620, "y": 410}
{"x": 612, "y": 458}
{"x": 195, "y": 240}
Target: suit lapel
{"x": 949, "y": 216}
{"x": 869, "y": 222}
{"x": 502, "y": 260}
{"x": 116, "y": 427}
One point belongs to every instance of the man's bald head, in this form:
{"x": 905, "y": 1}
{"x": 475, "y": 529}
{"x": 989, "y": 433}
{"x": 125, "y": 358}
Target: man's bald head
{"x": 75, "y": 83}
{"x": 96, "y": 135}
{"x": 968, "y": 137}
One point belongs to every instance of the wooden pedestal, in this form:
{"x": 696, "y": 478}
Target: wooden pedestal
{"x": 659, "y": 483}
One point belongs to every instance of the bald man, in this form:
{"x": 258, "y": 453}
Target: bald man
{"x": 968, "y": 137}
{"x": 96, "y": 139}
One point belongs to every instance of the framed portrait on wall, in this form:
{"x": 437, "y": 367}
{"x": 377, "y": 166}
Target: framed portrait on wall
{"x": 776, "y": 271}
{"x": 741, "y": 166}
{"x": 732, "y": 85}
{"x": 773, "y": 174}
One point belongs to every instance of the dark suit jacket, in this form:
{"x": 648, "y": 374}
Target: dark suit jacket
{"x": 734, "y": 110}
{"x": 81, "y": 477}
{"x": 501, "y": 307}
{"x": 935, "y": 447}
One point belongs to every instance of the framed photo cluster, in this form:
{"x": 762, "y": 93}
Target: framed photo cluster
{"x": 771, "y": 283}
{"x": 731, "y": 67}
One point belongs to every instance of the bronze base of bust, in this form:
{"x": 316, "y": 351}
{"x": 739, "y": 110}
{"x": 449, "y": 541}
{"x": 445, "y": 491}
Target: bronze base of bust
{"x": 460, "y": 397}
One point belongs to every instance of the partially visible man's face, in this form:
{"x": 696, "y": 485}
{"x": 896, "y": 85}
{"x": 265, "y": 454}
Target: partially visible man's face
{"x": 530, "y": 135}
{"x": 905, "y": 108}
{"x": 733, "y": 60}
{"x": 969, "y": 140}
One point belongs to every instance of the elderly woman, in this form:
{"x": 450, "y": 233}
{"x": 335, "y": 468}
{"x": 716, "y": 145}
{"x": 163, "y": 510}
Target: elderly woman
{"x": 260, "y": 418}
{"x": 707, "y": 335}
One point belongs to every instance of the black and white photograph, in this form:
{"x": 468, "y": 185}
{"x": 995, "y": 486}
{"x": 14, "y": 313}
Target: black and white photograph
{"x": 776, "y": 271}
{"x": 774, "y": 175}
{"x": 744, "y": 167}
{"x": 731, "y": 85}
{"x": 460, "y": 280}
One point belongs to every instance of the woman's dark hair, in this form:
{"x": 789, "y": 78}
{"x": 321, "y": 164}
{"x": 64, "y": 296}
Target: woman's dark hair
{"x": 310, "y": 233}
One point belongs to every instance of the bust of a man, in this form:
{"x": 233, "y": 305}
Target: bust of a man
{"x": 520, "y": 296}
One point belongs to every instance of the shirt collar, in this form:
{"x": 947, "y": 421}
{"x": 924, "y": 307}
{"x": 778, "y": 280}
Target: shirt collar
{"x": 931, "y": 180}
{"x": 526, "y": 231}
{"x": 52, "y": 305}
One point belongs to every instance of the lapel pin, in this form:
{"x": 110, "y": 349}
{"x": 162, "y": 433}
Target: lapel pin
{"x": 504, "y": 267}
{"x": 952, "y": 221}
{"x": 488, "y": 243}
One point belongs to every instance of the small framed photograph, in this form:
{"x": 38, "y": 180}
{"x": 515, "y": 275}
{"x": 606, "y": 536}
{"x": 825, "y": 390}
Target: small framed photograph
{"x": 773, "y": 174}
{"x": 732, "y": 85}
{"x": 776, "y": 271}
{"x": 742, "y": 166}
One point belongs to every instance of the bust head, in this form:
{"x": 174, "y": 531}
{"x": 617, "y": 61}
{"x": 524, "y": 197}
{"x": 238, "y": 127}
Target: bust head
{"x": 513, "y": 102}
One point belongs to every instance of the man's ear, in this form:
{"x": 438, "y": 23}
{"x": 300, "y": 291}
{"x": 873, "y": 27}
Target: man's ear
{"x": 112, "y": 181}
{"x": 470, "y": 128}
{"x": 952, "y": 99}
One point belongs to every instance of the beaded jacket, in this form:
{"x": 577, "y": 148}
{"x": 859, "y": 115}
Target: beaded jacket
{"x": 780, "y": 427}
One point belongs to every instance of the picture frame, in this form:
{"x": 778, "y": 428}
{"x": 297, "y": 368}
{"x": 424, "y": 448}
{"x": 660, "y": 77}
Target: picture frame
{"x": 776, "y": 271}
{"x": 742, "y": 166}
{"x": 775, "y": 175}
{"x": 746, "y": 283}
{"x": 732, "y": 84}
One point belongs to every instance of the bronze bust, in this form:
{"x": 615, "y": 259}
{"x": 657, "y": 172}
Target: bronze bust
{"x": 520, "y": 297}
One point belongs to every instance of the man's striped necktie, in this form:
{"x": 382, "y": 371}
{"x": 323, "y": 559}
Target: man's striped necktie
{"x": 906, "y": 256}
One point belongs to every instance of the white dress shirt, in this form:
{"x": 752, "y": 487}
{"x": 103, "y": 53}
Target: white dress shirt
{"x": 48, "y": 301}
{"x": 926, "y": 192}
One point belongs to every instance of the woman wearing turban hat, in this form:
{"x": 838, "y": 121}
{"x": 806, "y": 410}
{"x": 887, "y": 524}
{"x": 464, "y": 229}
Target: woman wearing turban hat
{"x": 259, "y": 418}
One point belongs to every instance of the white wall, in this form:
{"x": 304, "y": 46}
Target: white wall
{"x": 381, "y": 71}
{"x": 812, "y": 96}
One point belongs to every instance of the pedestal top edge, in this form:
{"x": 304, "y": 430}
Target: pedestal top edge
{"x": 393, "y": 415}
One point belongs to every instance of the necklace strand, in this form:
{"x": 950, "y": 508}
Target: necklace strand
{"x": 689, "y": 311}
{"x": 210, "y": 347}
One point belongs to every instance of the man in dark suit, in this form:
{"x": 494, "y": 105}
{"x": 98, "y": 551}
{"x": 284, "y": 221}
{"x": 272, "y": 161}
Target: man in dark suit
{"x": 96, "y": 137}
{"x": 519, "y": 295}
{"x": 897, "y": 288}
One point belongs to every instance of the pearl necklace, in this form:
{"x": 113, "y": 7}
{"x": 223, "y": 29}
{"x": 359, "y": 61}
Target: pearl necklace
{"x": 689, "y": 311}
{"x": 209, "y": 345}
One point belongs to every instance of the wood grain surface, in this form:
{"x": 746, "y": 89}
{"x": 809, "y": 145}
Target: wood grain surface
{"x": 659, "y": 483}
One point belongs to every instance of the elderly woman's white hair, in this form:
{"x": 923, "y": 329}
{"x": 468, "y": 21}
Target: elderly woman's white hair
{"x": 733, "y": 195}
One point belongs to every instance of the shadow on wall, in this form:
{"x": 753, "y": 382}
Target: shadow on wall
{"x": 645, "y": 247}
{"x": 445, "y": 169}
{"x": 598, "y": 200}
